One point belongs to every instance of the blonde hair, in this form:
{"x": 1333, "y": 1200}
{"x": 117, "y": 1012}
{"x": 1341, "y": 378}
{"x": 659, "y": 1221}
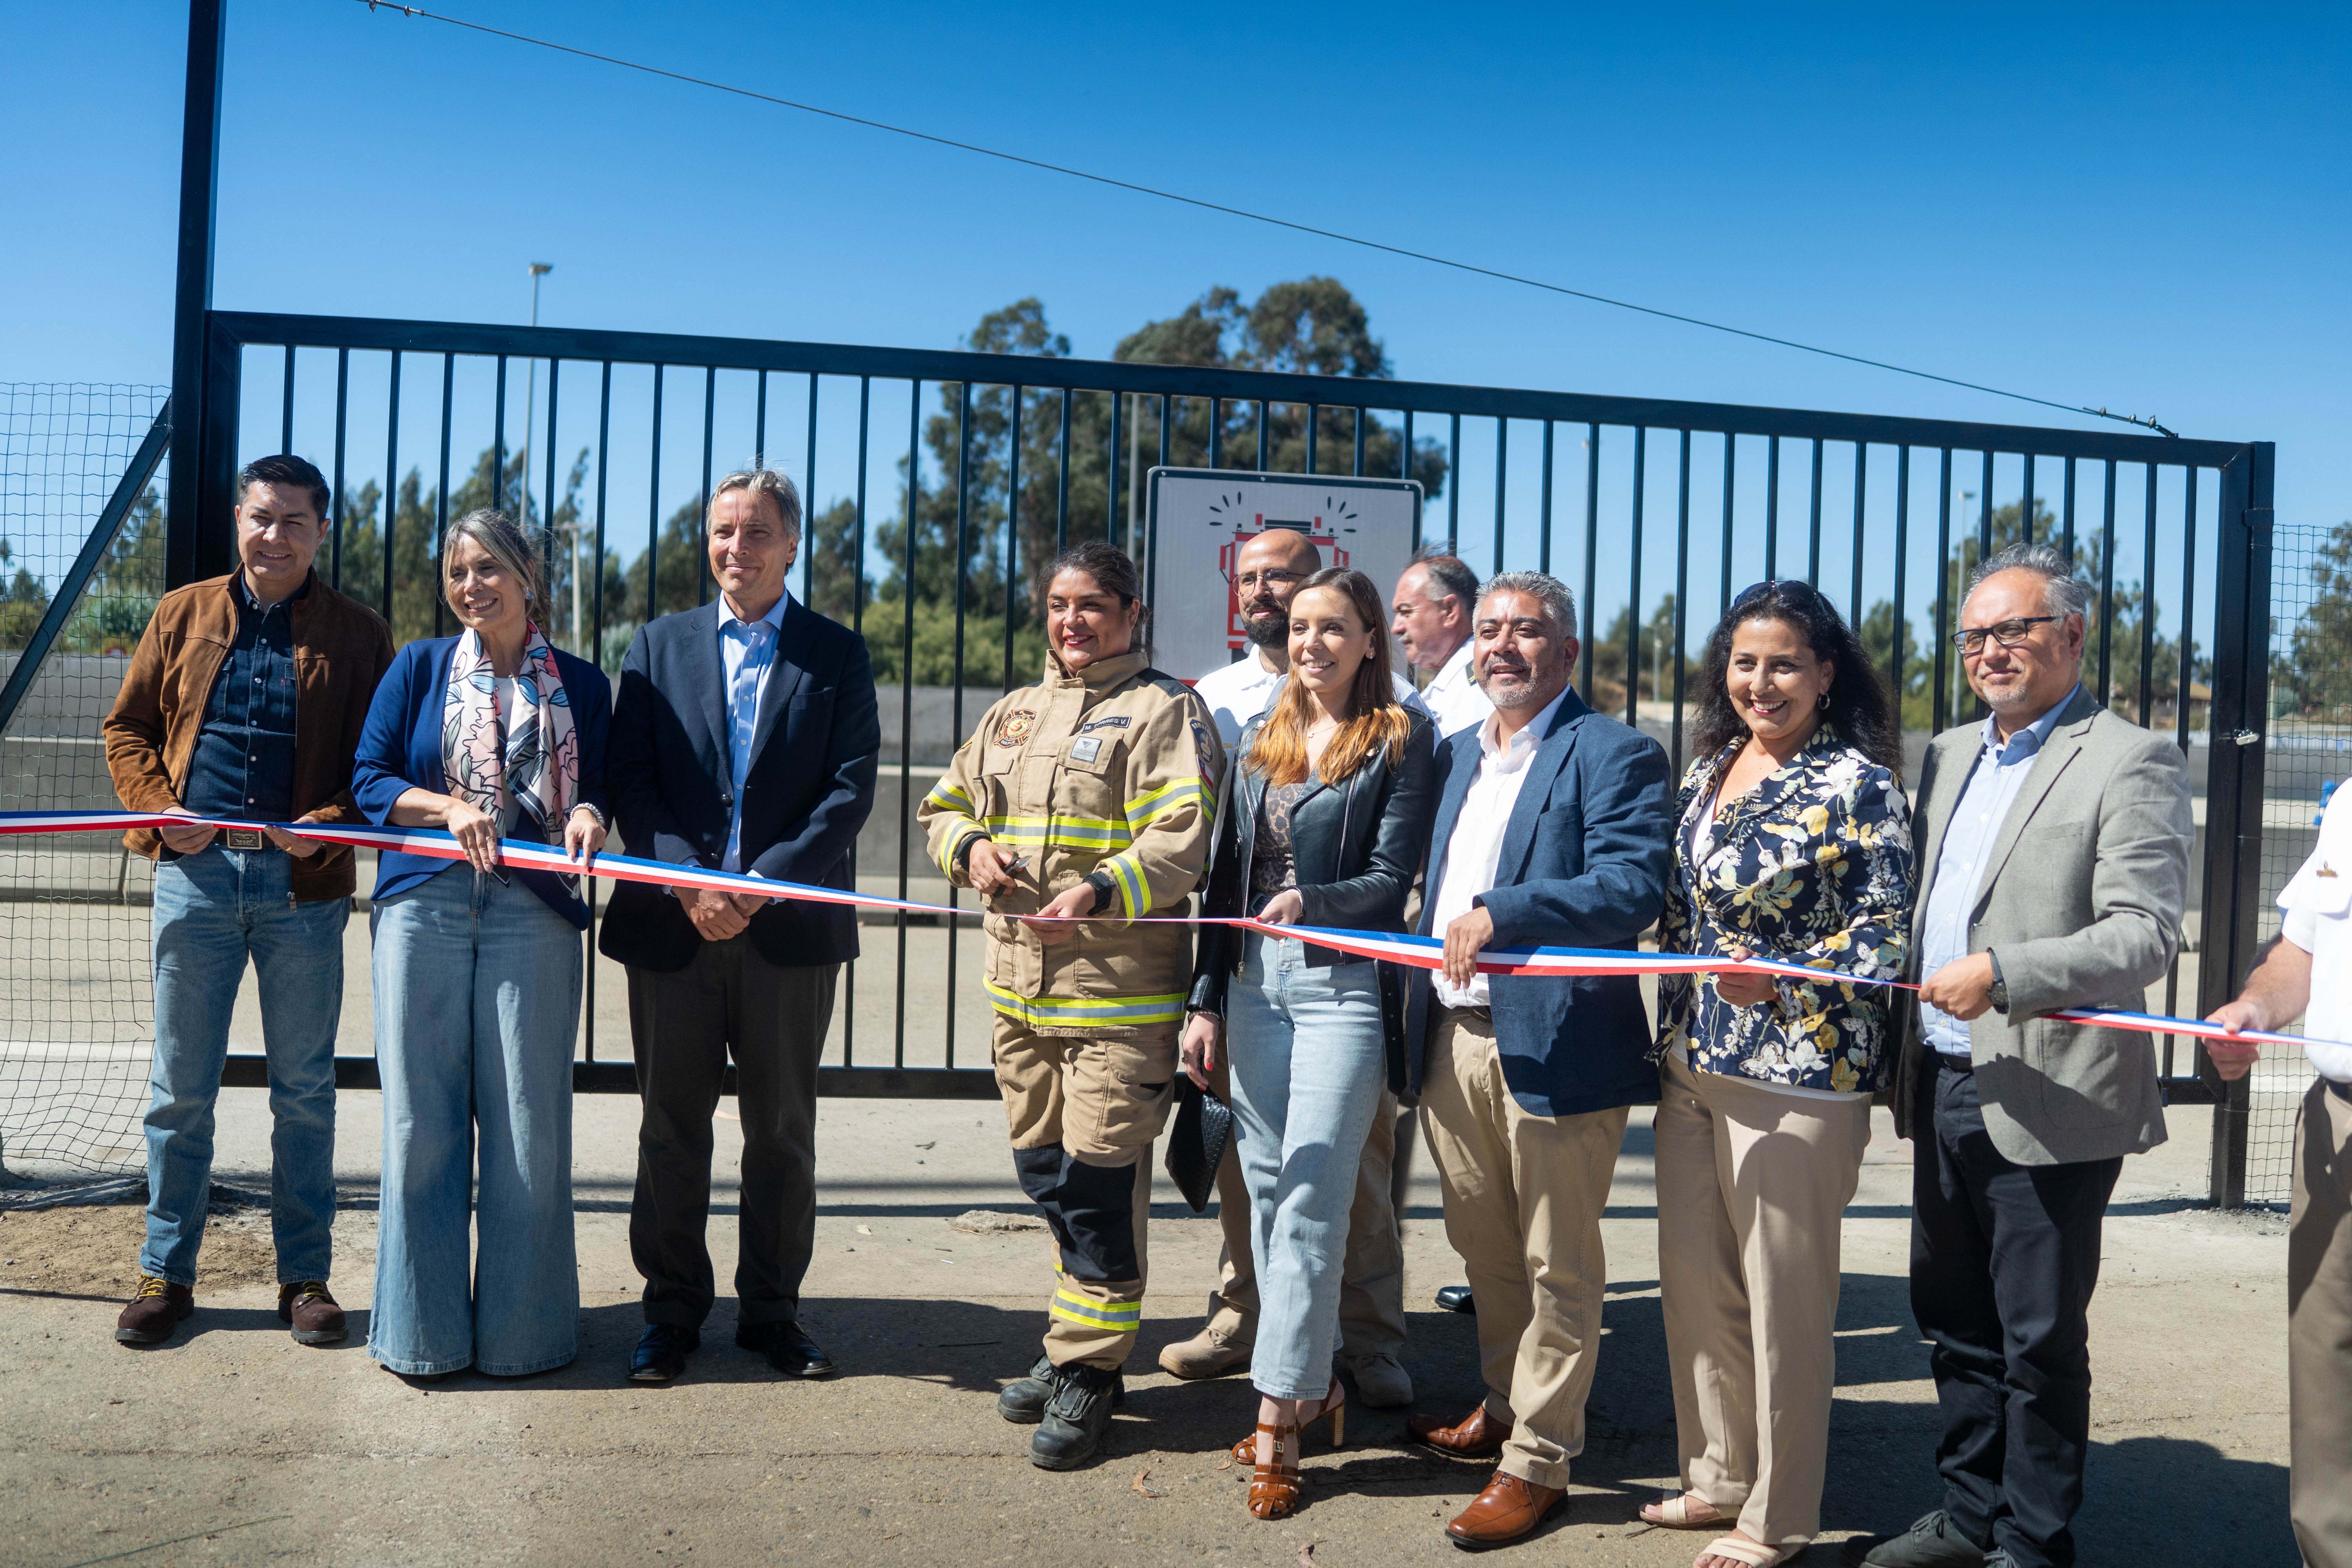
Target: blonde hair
{"x": 504, "y": 540}
{"x": 1376, "y": 720}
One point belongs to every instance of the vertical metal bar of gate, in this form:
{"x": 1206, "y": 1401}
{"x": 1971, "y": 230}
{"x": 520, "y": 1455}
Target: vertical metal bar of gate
{"x": 342, "y": 417}
{"x": 955, "y": 702}
{"x": 391, "y": 481}
{"x": 1543, "y": 522}
{"x": 2234, "y": 783}
{"x": 907, "y": 684}
{"x": 1730, "y": 457}
{"x": 1634, "y": 596}
{"x": 1682, "y": 598}
{"x": 1502, "y": 471}
{"x": 1895, "y": 665}
{"x": 1592, "y": 546}
{"x": 1453, "y": 489}
{"x": 857, "y": 626}
{"x": 1939, "y": 705}
{"x": 497, "y": 440}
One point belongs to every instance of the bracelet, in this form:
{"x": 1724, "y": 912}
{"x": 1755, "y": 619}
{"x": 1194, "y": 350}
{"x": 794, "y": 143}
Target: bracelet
{"x": 590, "y": 808}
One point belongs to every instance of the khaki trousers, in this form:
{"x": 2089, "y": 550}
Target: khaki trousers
{"x": 1523, "y": 1201}
{"x": 1371, "y": 1282}
{"x": 1083, "y": 1114}
{"x": 2319, "y": 1332}
{"x": 1752, "y": 1188}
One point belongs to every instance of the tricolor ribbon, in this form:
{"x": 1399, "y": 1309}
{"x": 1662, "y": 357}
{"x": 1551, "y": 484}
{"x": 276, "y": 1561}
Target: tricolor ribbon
{"x": 1415, "y": 952}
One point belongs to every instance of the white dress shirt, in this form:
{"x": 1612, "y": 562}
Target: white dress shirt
{"x": 1240, "y": 691}
{"x": 1453, "y": 699}
{"x": 746, "y": 652}
{"x": 1477, "y": 846}
{"x": 2319, "y": 908}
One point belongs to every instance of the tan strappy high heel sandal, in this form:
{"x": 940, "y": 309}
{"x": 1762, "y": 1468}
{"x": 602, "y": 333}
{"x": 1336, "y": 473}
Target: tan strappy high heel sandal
{"x": 1273, "y": 1488}
{"x": 1335, "y": 1406}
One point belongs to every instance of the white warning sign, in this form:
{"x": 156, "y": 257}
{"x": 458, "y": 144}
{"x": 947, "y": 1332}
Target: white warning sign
{"x": 1201, "y": 518}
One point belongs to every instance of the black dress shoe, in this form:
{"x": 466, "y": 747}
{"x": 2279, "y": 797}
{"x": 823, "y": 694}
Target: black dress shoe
{"x": 1455, "y": 1299}
{"x": 788, "y": 1349}
{"x": 661, "y": 1353}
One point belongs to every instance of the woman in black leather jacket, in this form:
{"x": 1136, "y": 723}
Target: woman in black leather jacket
{"x": 1323, "y": 822}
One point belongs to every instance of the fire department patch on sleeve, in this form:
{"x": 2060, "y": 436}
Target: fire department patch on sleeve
{"x": 1201, "y": 749}
{"x": 1015, "y": 726}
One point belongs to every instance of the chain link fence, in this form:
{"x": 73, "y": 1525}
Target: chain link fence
{"x": 76, "y": 1006}
{"x": 2308, "y": 755}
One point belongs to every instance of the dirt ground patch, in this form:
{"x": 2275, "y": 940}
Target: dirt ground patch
{"x": 94, "y": 1250}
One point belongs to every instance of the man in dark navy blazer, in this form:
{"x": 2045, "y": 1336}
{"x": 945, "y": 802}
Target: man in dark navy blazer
{"x": 1551, "y": 831}
{"x": 744, "y": 739}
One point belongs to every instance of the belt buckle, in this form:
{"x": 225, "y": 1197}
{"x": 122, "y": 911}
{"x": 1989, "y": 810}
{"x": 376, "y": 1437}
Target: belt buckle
{"x": 245, "y": 838}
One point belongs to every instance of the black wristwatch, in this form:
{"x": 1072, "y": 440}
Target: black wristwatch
{"x": 1997, "y": 995}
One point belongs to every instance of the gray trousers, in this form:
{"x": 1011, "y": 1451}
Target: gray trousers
{"x": 683, "y": 1026}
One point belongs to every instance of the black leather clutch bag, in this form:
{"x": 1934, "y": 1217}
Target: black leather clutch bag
{"x": 1204, "y": 1125}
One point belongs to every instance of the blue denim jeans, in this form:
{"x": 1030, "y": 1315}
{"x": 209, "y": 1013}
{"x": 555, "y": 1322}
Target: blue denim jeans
{"x": 213, "y": 910}
{"x": 1307, "y": 1067}
{"x": 477, "y": 1006}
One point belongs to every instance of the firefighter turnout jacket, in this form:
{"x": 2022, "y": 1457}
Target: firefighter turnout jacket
{"x": 1109, "y": 771}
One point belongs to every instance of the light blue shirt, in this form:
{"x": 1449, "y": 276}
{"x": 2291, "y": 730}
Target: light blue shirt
{"x": 1993, "y": 781}
{"x": 746, "y": 652}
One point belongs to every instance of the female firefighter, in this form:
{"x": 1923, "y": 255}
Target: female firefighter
{"x": 1084, "y": 801}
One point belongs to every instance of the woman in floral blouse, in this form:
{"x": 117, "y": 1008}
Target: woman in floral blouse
{"x": 1793, "y": 843}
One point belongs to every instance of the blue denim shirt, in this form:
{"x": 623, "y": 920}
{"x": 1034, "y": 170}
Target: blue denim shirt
{"x": 243, "y": 763}
{"x": 1994, "y": 779}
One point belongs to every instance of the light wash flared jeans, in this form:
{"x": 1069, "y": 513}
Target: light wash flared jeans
{"x": 477, "y": 1006}
{"x": 1306, "y": 1061}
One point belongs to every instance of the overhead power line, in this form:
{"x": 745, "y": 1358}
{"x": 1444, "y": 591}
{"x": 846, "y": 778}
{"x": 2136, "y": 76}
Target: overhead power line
{"x": 1116, "y": 184}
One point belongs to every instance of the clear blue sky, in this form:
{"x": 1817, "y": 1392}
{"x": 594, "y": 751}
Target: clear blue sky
{"x": 2140, "y": 207}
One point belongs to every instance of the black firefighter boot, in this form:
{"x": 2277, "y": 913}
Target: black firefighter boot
{"x": 1075, "y": 1417}
{"x": 1025, "y": 1400}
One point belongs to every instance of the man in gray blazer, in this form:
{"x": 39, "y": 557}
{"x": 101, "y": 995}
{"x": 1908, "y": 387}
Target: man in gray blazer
{"x": 2053, "y": 840}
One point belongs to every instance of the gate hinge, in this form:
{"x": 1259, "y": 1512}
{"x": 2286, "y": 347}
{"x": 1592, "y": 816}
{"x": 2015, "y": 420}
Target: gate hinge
{"x": 2246, "y": 737}
{"x": 2258, "y": 523}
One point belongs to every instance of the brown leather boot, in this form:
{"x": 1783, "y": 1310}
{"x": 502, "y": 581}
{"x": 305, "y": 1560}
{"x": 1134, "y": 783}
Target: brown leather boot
{"x": 1474, "y": 1436}
{"x": 157, "y": 1308}
{"x": 1506, "y": 1510}
{"x": 317, "y": 1319}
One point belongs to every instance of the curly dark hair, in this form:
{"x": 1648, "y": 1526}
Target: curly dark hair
{"x": 1861, "y": 706}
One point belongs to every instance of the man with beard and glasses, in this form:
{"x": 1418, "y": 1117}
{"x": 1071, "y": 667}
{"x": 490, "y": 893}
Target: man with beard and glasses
{"x": 1267, "y": 572}
{"x": 1552, "y": 829}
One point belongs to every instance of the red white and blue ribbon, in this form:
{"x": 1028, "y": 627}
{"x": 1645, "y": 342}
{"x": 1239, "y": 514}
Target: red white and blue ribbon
{"x": 1415, "y": 952}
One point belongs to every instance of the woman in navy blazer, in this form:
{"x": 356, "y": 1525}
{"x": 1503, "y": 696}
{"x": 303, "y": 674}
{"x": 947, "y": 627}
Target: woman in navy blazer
{"x": 490, "y": 734}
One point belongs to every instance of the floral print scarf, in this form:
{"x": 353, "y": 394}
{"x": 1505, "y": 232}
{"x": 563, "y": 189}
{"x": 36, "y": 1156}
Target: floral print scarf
{"x": 538, "y": 766}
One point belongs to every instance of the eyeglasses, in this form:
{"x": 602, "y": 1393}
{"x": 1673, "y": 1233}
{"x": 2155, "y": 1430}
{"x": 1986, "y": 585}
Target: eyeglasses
{"x": 2009, "y": 634}
{"x": 1787, "y": 587}
{"x": 1270, "y": 579}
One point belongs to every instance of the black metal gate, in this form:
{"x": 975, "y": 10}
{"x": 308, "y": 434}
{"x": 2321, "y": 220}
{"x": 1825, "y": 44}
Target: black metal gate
{"x": 344, "y": 390}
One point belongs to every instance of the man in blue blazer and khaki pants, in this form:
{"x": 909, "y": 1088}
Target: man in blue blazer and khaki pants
{"x": 1552, "y": 829}
{"x": 744, "y": 739}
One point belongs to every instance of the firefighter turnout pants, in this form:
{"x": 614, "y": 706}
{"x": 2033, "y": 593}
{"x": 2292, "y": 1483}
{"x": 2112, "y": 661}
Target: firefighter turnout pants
{"x": 1084, "y": 1113}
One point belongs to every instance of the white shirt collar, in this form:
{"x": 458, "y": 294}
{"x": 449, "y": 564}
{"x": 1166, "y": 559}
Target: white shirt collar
{"x": 1529, "y": 736}
{"x": 1456, "y": 667}
{"x": 773, "y": 619}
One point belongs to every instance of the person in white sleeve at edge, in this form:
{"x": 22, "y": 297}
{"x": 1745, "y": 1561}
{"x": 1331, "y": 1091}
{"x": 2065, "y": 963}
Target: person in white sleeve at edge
{"x": 1431, "y": 620}
{"x": 2309, "y": 971}
{"x": 1266, "y": 573}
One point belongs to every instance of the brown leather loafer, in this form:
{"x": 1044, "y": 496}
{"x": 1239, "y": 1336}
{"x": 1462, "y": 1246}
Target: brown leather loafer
{"x": 1474, "y": 1436}
{"x": 155, "y": 1311}
{"x": 1506, "y": 1510}
{"x": 315, "y": 1317}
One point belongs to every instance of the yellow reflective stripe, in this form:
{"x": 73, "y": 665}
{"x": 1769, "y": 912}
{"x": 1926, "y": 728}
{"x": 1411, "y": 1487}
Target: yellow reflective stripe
{"x": 1089, "y": 1313}
{"x": 1060, "y": 832}
{"x": 953, "y": 842}
{"x": 948, "y": 794}
{"x": 1073, "y": 1012}
{"x": 1163, "y": 800}
{"x": 1128, "y": 878}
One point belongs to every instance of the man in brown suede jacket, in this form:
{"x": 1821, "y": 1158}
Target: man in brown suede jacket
{"x": 245, "y": 700}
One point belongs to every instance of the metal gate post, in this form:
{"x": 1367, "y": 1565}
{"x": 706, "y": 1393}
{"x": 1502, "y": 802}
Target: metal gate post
{"x": 196, "y": 544}
{"x": 2236, "y": 724}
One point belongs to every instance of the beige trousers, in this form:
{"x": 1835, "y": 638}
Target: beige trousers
{"x": 1523, "y": 1201}
{"x": 1752, "y": 1188}
{"x": 1371, "y": 1284}
{"x": 2320, "y": 1333}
